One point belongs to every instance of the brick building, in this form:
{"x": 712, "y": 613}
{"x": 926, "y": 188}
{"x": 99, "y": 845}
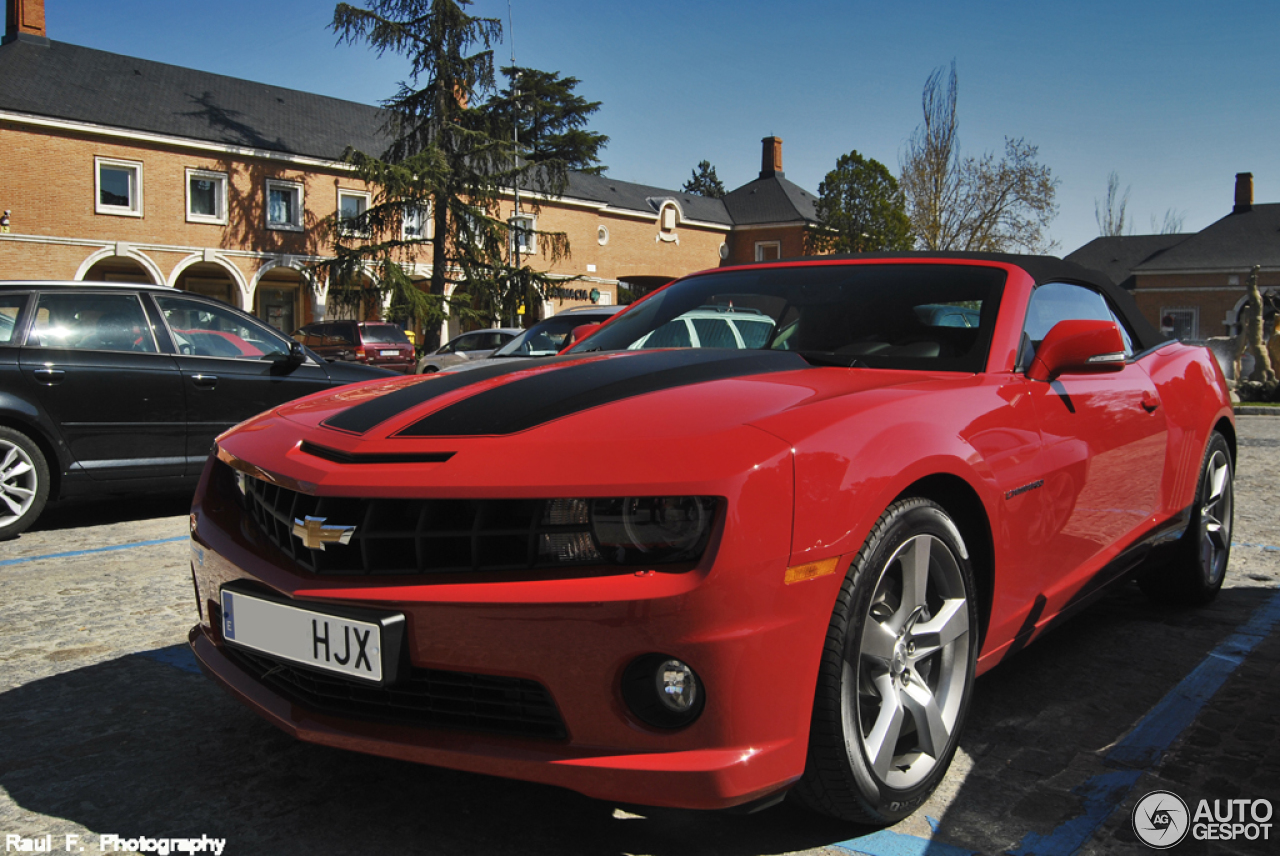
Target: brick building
{"x": 119, "y": 168}
{"x": 1195, "y": 285}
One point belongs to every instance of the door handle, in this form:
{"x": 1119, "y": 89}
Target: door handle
{"x": 49, "y": 375}
{"x": 1149, "y": 402}
{"x": 205, "y": 381}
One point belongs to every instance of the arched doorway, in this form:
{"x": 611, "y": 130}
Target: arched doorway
{"x": 353, "y": 299}
{"x": 280, "y": 299}
{"x": 113, "y": 268}
{"x": 209, "y": 280}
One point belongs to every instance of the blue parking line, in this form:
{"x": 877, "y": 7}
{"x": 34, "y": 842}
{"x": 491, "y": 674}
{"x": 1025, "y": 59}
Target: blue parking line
{"x": 75, "y": 553}
{"x": 886, "y": 842}
{"x": 1267, "y": 548}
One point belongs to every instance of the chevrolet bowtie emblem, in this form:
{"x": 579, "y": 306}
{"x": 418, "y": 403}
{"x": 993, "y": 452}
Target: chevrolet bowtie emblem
{"x": 315, "y": 534}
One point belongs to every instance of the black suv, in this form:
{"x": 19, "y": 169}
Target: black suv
{"x": 118, "y": 388}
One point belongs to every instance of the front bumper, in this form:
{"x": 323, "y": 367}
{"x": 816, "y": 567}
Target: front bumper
{"x": 754, "y": 642}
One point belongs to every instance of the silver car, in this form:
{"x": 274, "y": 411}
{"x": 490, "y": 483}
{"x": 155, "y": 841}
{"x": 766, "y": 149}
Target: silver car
{"x": 475, "y": 345}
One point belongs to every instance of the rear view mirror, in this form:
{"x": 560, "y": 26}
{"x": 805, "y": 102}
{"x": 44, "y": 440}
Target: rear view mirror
{"x": 1078, "y": 347}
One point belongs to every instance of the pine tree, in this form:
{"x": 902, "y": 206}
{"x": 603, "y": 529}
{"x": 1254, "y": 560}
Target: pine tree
{"x": 704, "y": 182}
{"x": 458, "y": 146}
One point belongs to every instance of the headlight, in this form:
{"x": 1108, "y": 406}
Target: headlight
{"x": 641, "y": 530}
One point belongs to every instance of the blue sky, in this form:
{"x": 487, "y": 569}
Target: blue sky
{"x": 1175, "y": 96}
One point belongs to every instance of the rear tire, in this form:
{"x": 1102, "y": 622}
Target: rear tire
{"x": 1194, "y": 576}
{"x": 897, "y": 671}
{"x": 24, "y": 482}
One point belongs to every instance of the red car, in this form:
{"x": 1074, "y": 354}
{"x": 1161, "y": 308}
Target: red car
{"x": 706, "y": 577}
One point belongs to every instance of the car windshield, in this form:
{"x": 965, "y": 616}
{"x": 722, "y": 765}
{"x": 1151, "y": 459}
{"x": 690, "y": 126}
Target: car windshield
{"x": 545, "y": 338}
{"x": 908, "y": 316}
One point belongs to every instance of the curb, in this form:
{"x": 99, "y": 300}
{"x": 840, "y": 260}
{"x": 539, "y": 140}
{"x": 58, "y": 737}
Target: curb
{"x": 1245, "y": 410}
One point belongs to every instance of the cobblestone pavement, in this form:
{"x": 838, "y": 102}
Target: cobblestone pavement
{"x": 105, "y": 727}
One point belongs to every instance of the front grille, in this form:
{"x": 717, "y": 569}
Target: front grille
{"x": 427, "y": 697}
{"x": 423, "y": 536}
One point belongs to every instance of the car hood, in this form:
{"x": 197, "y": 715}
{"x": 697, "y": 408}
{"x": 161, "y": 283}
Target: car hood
{"x": 696, "y": 415}
{"x": 674, "y": 392}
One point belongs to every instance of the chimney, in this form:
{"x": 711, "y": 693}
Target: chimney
{"x": 1244, "y": 193}
{"x": 24, "y": 21}
{"x": 771, "y": 157}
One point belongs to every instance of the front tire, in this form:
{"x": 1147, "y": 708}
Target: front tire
{"x": 24, "y": 482}
{"x": 897, "y": 670}
{"x": 1194, "y": 576}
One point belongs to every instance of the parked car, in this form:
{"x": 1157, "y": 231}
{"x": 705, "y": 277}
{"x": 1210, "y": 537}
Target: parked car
{"x": 786, "y": 575}
{"x": 711, "y": 327}
{"x": 122, "y": 388}
{"x": 475, "y": 345}
{"x": 374, "y": 343}
{"x": 547, "y": 337}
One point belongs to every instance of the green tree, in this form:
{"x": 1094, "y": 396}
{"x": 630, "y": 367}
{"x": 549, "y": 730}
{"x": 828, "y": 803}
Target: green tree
{"x": 704, "y": 182}
{"x": 458, "y": 147}
{"x": 860, "y": 209}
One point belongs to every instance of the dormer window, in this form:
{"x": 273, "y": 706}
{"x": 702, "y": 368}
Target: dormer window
{"x": 668, "y": 220}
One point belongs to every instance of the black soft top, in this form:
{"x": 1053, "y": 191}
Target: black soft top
{"x": 1041, "y": 269}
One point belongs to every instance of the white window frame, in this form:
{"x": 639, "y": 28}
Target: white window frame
{"x": 527, "y": 230}
{"x": 296, "y": 187}
{"x": 425, "y": 220}
{"x": 134, "y": 208}
{"x": 762, "y": 245}
{"x": 219, "y": 217}
{"x": 362, "y": 195}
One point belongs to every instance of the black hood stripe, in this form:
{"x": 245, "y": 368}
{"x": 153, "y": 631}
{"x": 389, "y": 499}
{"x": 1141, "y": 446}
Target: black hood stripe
{"x": 543, "y": 397}
{"x": 363, "y": 418}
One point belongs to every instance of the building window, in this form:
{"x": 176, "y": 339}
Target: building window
{"x": 284, "y": 205}
{"x": 416, "y": 223}
{"x": 352, "y": 205}
{"x": 767, "y": 251}
{"x": 602, "y": 235}
{"x": 1182, "y": 323}
{"x": 524, "y": 239}
{"x": 206, "y": 196}
{"x": 118, "y": 185}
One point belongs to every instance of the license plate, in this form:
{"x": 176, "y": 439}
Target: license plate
{"x": 388, "y": 353}
{"x": 318, "y": 640}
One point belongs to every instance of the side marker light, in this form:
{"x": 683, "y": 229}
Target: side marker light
{"x": 811, "y": 570}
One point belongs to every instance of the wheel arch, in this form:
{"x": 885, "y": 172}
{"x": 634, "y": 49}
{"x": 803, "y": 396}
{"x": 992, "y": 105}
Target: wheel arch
{"x": 1228, "y": 432}
{"x": 47, "y": 448}
{"x": 965, "y": 508}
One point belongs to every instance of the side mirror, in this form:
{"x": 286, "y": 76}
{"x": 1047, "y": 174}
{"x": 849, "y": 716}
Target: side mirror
{"x": 1078, "y": 347}
{"x": 579, "y": 333}
{"x": 297, "y": 356}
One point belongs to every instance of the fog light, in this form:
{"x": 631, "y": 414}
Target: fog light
{"x": 677, "y": 686}
{"x": 663, "y": 691}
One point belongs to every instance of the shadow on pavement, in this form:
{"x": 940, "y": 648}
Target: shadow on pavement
{"x": 141, "y": 746}
{"x": 98, "y": 511}
{"x": 135, "y": 746}
{"x": 1042, "y": 722}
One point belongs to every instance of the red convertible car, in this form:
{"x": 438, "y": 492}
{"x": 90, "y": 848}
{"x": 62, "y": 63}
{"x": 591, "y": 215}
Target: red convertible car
{"x": 708, "y": 576}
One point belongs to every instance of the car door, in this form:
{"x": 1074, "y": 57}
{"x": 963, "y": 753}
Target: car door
{"x": 1103, "y": 456}
{"x": 232, "y": 367}
{"x": 115, "y": 398}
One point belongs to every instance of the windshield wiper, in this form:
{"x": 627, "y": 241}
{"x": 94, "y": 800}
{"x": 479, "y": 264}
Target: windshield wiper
{"x": 831, "y": 358}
